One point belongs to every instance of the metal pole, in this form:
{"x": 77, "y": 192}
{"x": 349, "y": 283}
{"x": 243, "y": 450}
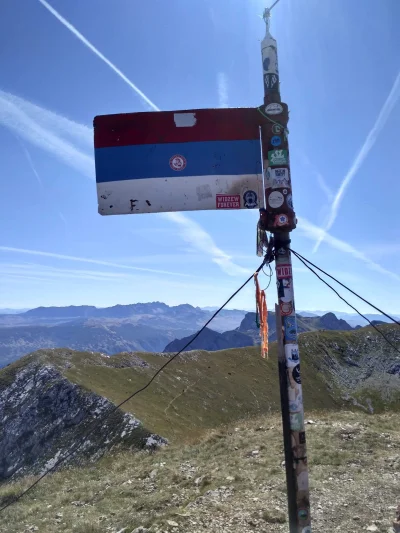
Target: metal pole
{"x": 287, "y": 437}
{"x": 279, "y": 218}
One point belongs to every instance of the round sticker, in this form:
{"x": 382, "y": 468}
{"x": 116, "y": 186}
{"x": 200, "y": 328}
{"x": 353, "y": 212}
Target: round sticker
{"x": 284, "y": 191}
{"x": 281, "y": 220}
{"x": 289, "y": 201}
{"x": 276, "y": 129}
{"x": 275, "y": 199}
{"x": 274, "y": 109}
{"x": 286, "y": 308}
{"x": 276, "y": 140}
{"x": 177, "y": 162}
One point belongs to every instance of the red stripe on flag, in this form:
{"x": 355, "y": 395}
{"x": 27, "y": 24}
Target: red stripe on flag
{"x": 237, "y": 124}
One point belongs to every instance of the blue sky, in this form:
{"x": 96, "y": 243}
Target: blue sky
{"x": 340, "y": 75}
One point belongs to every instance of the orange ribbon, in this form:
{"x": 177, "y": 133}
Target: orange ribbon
{"x": 261, "y": 303}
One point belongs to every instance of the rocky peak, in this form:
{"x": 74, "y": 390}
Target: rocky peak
{"x": 42, "y": 415}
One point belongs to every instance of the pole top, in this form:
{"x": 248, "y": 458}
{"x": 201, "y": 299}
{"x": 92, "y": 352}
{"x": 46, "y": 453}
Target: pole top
{"x": 267, "y": 14}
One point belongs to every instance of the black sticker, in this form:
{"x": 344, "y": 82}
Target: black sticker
{"x": 302, "y": 437}
{"x": 271, "y": 82}
{"x": 296, "y": 374}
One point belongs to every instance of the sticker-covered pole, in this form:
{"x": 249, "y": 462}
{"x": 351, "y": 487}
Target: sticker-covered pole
{"x": 279, "y": 218}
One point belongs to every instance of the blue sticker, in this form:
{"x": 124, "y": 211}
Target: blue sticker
{"x": 276, "y": 140}
{"x": 250, "y": 199}
{"x": 290, "y": 327}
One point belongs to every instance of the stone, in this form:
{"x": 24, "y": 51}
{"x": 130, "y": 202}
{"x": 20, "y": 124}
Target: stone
{"x": 140, "y": 529}
{"x": 372, "y": 527}
{"x": 172, "y": 523}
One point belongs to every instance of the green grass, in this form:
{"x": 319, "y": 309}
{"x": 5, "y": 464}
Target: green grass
{"x": 123, "y": 490}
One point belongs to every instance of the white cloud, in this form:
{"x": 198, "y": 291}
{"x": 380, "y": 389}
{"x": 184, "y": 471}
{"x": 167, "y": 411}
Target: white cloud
{"x": 199, "y": 239}
{"x": 362, "y": 154}
{"x": 91, "y": 47}
{"x": 222, "y": 89}
{"x": 313, "y": 232}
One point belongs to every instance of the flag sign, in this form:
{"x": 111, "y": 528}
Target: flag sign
{"x": 178, "y": 161}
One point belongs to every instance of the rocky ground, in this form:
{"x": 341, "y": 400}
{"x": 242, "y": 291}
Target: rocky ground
{"x": 232, "y": 480}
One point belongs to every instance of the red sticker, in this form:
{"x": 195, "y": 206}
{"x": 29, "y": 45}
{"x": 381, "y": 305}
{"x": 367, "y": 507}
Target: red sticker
{"x": 177, "y": 162}
{"x": 283, "y": 271}
{"x": 286, "y": 308}
{"x": 281, "y": 220}
{"x": 225, "y": 201}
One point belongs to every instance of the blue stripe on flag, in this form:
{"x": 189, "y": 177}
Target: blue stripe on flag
{"x": 202, "y": 159}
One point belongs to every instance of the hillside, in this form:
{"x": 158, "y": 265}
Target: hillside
{"x": 210, "y": 340}
{"x": 197, "y": 393}
{"x": 231, "y": 480}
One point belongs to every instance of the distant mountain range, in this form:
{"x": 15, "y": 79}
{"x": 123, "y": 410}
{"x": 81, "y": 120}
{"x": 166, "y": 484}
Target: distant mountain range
{"x": 248, "y": 333}
{"x": 144, "y": 327}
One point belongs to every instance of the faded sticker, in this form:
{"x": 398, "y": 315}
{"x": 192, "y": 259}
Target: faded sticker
{"x": 203, "y": 192}
{"x": 302, "y": 480}
{"x": 275, "y": 199}
{"x": 302, "y": 437}
{"x": 276, "y": 129}
{"x": 283, "y": 271}
{"x": 225, "y": 201}
{"x": 287, "y": 284}
{"x": 306, "y": 529}
{"x": 185, "y": 120}
{"x": 270, "y": 59}
{"x": 296, "y": 421}
{"x": 276, "y": 140}
{"x": 177, "y": 162}
{"x": 295, "y": 395}
{"x": 250, "y": 199}
{"x": 278, "y": 157}
{"x": 283, "y": 252}
{"x": 286, "y": 308}
{"x": 289, "y": 201}
{"x": 290, "y": 327}
{"x": 291, "y": 352}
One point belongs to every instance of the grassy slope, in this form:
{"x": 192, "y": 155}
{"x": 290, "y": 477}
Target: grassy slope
{"x": 199, "y": 390}
{"x": 354, "y": 478}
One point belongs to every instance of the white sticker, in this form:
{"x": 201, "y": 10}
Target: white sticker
{"x": 292, "y": 355}
{"x": 275, "y": 199}
{"x": 278, "y": 177}
{"x": 273, "y": 109}
{"x": 185, "y": 120}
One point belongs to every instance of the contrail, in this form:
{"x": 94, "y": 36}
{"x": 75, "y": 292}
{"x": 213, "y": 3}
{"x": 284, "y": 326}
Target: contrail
{"x": 86, "y": 260}
{"x": 29, "y": 158}
{"x": 362, "y": 154}
{"x": 45, "y": 129}
{"x": 313, "y": 232}
{"x": 91, "y": 47}
{"x": 191, "y": 232}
